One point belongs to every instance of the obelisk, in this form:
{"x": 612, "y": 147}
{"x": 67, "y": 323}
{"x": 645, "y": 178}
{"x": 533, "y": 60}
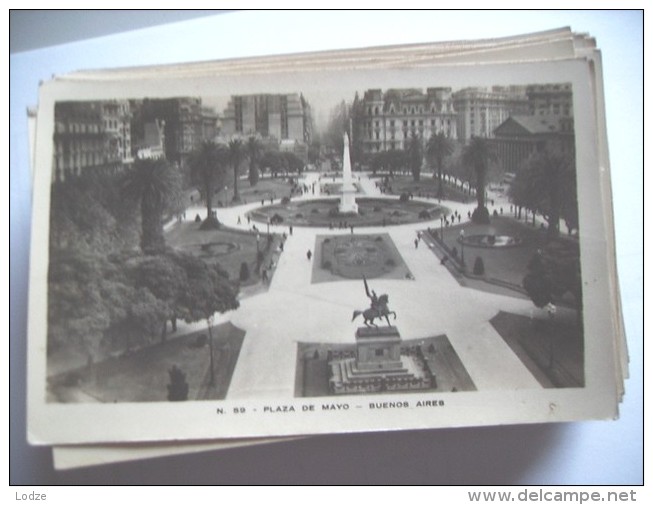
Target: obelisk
{"x": 347, "y": 199}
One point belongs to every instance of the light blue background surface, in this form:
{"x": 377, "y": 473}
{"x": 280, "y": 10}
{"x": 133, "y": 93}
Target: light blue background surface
{"x": 577, "y": 453}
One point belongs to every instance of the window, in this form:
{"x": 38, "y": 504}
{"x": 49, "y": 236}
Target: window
{"x": 378, "y": 352}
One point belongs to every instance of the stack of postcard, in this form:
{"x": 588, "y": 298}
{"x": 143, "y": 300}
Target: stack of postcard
{"x": 393, "y": 238}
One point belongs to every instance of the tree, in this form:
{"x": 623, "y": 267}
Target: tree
{"x": 91, "y": 213}
{"x": 437, "y": 149}
{"x": 293, "y": 162}
{"x": 93, "y": 304}
{"x": 236, "y": 156}
{"x": 208, "y": 173}
{"x": 208, "y": 291}
{"x": 272, "y": 161}
{"x": 165, "y": 280}
{"x": 553, "y": 272}
{"x": 414, "y": 153}
{"x": 157, "y": 186}
{"x": 478, "y": 155}
{"x": 547, "y": 184}
{"x": 254, "y": 151}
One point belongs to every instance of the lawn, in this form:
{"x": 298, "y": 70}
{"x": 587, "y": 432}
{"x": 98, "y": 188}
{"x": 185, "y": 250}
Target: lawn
{"x": 230, "y": 248}
{"x": 427, "y": 186}
{"x": 507, "y": 264}
{"x": 142, "y": 376}
{"x": 552, "y": 350}
{"x": 354, "y": 256}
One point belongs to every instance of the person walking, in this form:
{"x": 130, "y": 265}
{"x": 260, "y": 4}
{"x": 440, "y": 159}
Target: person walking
{"x": 309, "y": 255}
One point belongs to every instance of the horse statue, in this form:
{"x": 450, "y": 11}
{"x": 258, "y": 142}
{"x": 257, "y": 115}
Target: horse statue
{"x": 378, "y": 309}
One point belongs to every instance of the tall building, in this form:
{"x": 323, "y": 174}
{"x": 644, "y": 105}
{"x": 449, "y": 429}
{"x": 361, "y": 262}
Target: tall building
{"x": 280, "y": 116}
{"x": 482, "y": 110}
{"x": 89, "y": 136}
{"x": 550, "y": 99}
{"x": 184, "y": 122}
{"x": 385, "y": 121}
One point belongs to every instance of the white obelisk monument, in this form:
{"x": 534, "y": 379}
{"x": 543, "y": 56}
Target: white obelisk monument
{"x": 347, "y": 200}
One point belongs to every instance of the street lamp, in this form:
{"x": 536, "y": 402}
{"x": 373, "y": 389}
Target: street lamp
{"x": 209, "y": 321}
{"x": 462, "y": 248}
{"x": 442, "y": 229}
{"x": 268, "y": 227}
{"x": 551, "y": 309}
{"x": 258, "y": 252}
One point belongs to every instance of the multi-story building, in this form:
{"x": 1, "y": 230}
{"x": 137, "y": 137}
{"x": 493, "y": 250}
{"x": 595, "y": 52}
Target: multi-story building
{"x": 209, "y": 123}
{"x": 89, "y": 136}
{"x": 481, "y": 110}
{"x": 386, "y": 121}
{"x": 153, "y": 144}
{"x": 550, "y": 99}
{"x": 280, "y": 116}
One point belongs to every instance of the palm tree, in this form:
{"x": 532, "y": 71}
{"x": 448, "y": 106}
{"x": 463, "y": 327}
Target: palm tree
{"x": 254, "y": 150}
{"x": 437, "y": 149}
{"x": 157, "y": 186}
{"x": 478, "y": 156}
{"x": 236, "y": 156}
{"x": 414, "y": 155}
{"x": 208, "y": 172}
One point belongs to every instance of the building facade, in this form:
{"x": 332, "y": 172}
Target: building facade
{"x": 91, "y": 136}
{"x": 385, "y": 121}
{"x": 550, "y": 99}
{"x": 517, "y": 138}
{"x": 278, "y": 116}
{"x": 481, "y": 110}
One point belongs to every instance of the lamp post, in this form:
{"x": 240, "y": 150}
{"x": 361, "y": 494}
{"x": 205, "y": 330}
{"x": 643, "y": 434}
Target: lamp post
{"x": 209, "y": 321}
{"x": 551, "y": 309}
{"x": 258, "y": 252}
{"x": 462, "y": 249}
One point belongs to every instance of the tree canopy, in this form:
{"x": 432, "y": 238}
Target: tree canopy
{"x": 547, "y": 185}
{"x": 208, "y": 170}
{"x": 156, "y": 185}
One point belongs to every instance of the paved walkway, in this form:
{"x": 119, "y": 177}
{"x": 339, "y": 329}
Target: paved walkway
{"x": 294, "y": 310}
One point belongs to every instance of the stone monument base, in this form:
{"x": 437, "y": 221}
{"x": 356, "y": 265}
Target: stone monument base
{"x": 379, "y": 365}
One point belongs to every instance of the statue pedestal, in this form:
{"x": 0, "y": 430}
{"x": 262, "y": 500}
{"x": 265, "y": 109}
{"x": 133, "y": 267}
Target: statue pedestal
{"x": 379, "y": 365}
{"x": 348, "y": 203}
{"x": 378, "y": 349}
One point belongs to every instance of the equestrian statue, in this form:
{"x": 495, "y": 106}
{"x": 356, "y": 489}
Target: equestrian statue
{"x": 378, "y": 308}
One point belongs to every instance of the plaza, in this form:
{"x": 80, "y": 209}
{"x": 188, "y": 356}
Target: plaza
{"x": 431, "y": 301}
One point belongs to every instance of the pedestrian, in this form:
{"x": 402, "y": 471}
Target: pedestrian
{"x": 309, "y": 255}
{"x": 416, "y": 243}
{"x": 238, "y": 219}
{"x": 352, "y": 228}
{"x": 249, "y": 219}
{"x": 290, "y": 229}
{"x": 265, "y": 275}
{"x": 262, "y": 203}
{"x": 459, "y": 218}
{"x": 281, "y": 246}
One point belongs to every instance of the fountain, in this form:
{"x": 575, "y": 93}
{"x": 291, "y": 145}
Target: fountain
{"x": 348, "y": 203}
